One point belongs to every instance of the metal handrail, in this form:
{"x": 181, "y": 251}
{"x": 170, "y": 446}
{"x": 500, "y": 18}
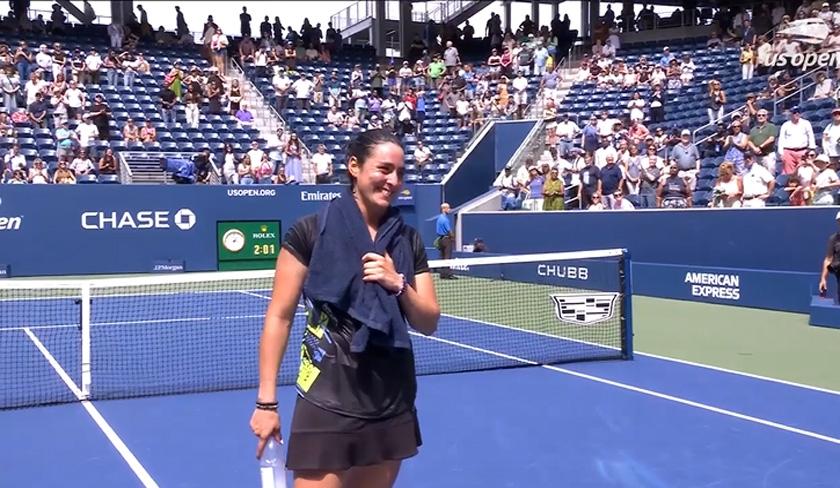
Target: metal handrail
{"x": 306, "y": 154}
{"x": 126, "y": 175}
{"x": 800, "y": 92}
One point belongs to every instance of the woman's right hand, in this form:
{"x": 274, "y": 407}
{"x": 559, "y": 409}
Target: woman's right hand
{"x": 265, "y": 424}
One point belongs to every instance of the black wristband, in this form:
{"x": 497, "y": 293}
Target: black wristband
{"x": 267, "y": 406}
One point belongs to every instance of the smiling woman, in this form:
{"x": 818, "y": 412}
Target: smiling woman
{"x": 365, "y": 278}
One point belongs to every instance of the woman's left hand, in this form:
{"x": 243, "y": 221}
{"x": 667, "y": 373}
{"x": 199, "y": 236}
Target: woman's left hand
{"x": 380, "y": 269}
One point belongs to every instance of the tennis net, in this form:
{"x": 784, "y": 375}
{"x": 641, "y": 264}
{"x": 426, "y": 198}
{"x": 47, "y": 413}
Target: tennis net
{"x": 105, "y": 338}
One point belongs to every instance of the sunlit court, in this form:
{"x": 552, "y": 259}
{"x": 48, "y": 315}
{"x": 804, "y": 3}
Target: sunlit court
{"x": 492, "y": 244}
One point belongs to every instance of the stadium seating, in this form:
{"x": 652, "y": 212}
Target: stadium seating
{"x": 139, "y": 103}
{"x": 440, "y": 131}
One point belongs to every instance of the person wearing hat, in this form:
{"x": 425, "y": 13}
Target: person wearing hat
{"x": 762, "y": 141}
{"x": 826, "y": 182}
{"x": 831, "y": 262}
{"x": 795, "y": 137}
{"x": 508, "y": 185}
{"x": 831, "y": 137}
{"x": 687, "y": 158}
{"x": 758, "y": 183}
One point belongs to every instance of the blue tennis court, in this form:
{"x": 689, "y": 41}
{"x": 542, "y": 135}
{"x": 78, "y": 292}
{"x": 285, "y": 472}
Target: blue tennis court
{"x": 173, "y": 375}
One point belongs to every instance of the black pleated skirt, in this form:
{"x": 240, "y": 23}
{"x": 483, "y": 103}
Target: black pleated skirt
{"x": 321, "y": 440}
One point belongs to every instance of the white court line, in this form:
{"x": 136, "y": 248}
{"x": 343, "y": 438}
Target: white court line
{"x": 644, "y": 391}
{"x": 140, "y": 322}
{"x": 98, "y": 419}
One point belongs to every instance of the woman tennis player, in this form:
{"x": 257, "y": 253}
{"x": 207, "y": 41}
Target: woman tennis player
{"x": 364, "y": 276}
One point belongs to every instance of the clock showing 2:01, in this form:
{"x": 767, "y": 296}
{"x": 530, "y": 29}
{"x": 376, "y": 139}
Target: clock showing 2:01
{"x": 233, "y": 240}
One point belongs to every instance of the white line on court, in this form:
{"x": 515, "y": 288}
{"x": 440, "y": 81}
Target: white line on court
{"x": 97, "y": 418}
{"x": 598, "y": 379}
{"x": 141, "y": 322}
{"x": 656, "y": 356}
{"x": 643, "y": 391}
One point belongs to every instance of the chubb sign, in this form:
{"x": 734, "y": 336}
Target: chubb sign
{"x": 183, "y": 219}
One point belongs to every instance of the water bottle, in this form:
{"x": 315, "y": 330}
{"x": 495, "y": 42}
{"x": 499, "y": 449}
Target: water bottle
{"x": 273, "y": 466}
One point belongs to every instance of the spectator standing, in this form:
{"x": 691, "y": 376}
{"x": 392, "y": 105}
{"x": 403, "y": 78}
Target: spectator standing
{"x": 451, "y": 58}
{"x": 612, "y": 180}
{"x": 38, "y": 111}
{"x": 534, "y": 187}
{"x": 716, "y": 100}
{"x": 323, "y": 163}
{"x": 657, "y": 104}
{"x": 508, "y": 185}
{"x": 736, "y": 146}
{"x": 245, "y": 22}
{"x": 93, "y": 64}
{"x": 687, "y": 158}
{"x": 590, "y": 182}
{"x": 10, "y": 85}
{"x": 728, "y": 189}
{"x": 758, "y": 183}
{"x": 831, "y": 137}
{"x": 100, "y": 115}
{"x": 554, "y": 191}
{"x": 795, "y": 137}
{"x": 649, "y": 182}
{"x": 87, "y": 132}
{"x": 747, "y": 59}
{"x": 673, "y": 192}
{"x": 293, "y": 165}
{"x": 762, "y": 141}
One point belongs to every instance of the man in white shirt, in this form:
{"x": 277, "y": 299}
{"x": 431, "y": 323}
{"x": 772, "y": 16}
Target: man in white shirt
{"x": 255, "y": 154}
{"x": 831, "y": 137}
{"x": 606, "y": 124}
{"x": 823, "y": 87}
{"x": 43, "y": 59}
{"x": 281, "y": 84}
{"x": 605, "y": 151}
{"x": 88, "y": 132}
{"x": 303, "y": 91}
{"x": 758, "y": 183}
{"x": 74, "y": 98}
{"x": 520, "y": 93}
{"x": 508, "y": 185}
{"x": 422, "y": 156}
{"x": 323, "y": 165}
{"x": 795, "y": 137}
{"x": 93, "y": 62}
{"x": 566, "y": 131}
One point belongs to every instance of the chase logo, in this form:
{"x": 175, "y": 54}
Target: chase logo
{"x": 183, "y": 219}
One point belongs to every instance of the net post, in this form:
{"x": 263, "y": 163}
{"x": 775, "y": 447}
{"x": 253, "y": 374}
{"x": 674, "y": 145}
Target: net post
{"x": 85, "y": 325}
{"x": 626, "y": 279}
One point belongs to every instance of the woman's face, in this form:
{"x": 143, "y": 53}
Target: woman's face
{"x": 380, "y": 178}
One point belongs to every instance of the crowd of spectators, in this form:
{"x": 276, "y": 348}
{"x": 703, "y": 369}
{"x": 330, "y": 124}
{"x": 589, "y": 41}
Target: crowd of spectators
{"x": 621, "y": 164}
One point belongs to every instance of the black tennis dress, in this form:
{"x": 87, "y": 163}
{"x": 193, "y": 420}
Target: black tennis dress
{"x": 353, "y": 409}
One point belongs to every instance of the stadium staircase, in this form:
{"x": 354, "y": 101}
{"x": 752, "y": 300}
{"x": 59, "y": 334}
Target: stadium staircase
{"x": 266, "y": 118}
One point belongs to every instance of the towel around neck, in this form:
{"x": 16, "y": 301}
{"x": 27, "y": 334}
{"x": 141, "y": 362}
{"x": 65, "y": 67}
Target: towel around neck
{"x": 335, "y": 271}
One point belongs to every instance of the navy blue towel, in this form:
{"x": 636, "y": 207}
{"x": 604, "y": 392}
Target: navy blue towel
{"x": 335, "y": 271}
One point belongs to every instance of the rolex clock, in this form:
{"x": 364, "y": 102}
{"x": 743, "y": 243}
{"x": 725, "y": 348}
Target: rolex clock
{"x": 233, "y": 240}
{"x": 247, "y": 244}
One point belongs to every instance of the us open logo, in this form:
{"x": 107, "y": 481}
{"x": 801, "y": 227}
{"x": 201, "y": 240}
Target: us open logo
{"x": 584, "y": 308}
{"x": 810, "y": 32}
